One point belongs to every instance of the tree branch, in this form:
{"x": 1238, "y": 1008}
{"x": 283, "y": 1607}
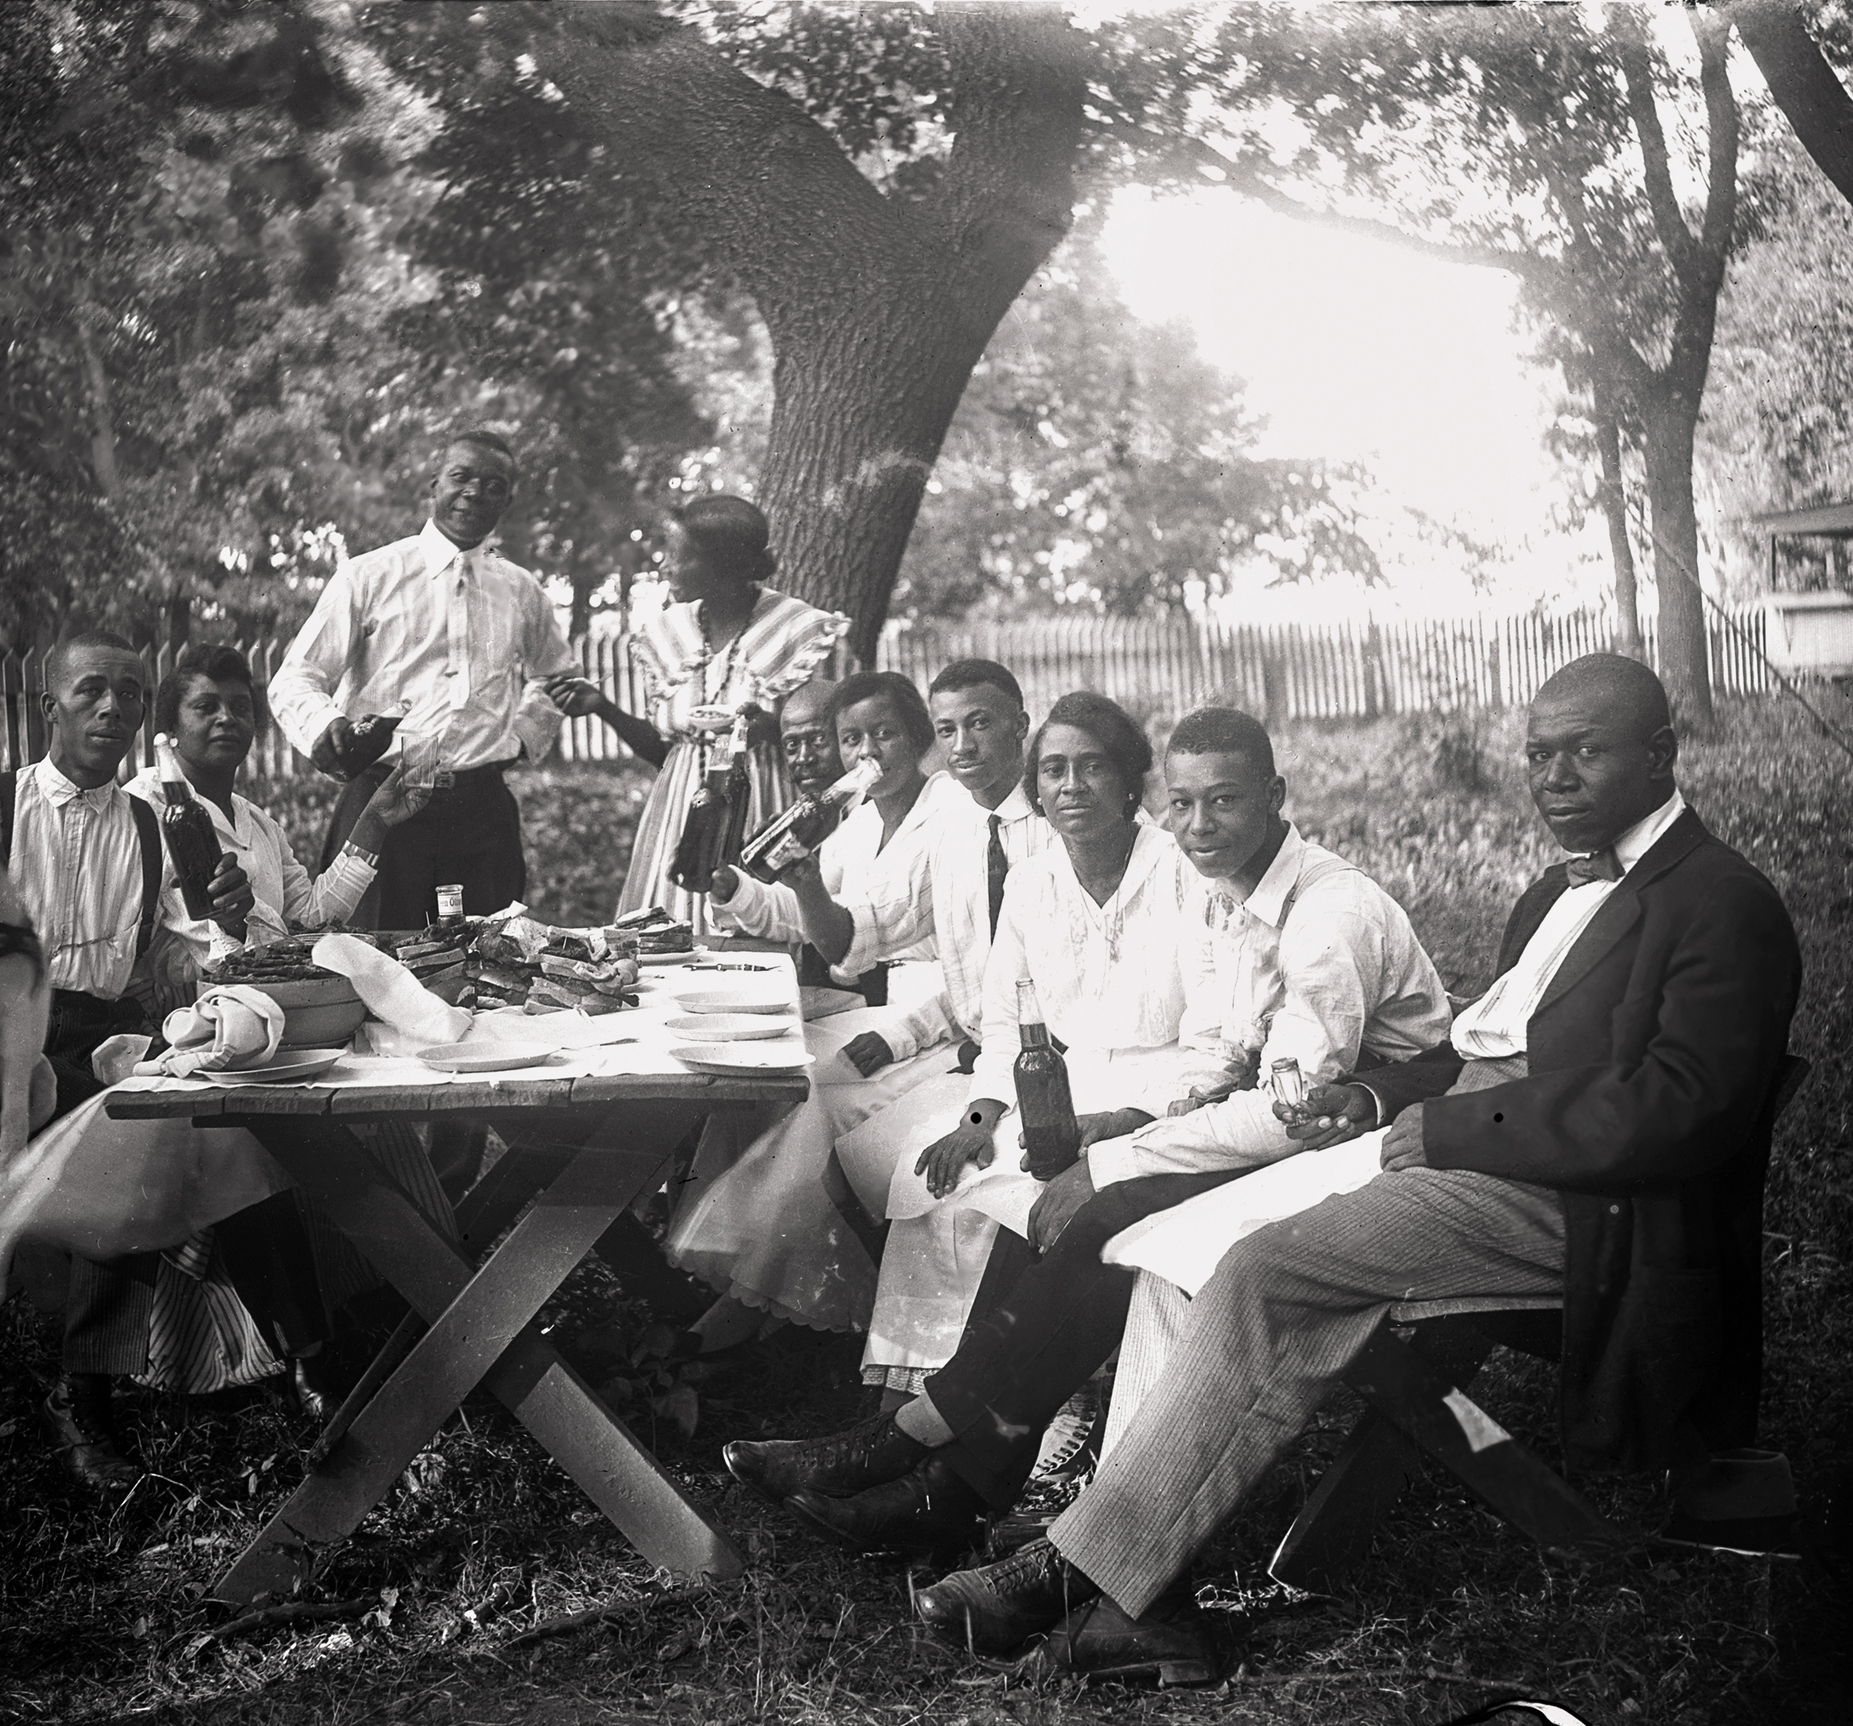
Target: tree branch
{"x": 1662, "y": 202}
{"x": 1252, "y": 184}
{"x": 1810, "y": 96}
{"x": 1006, "y": 199}
{"x": 1713, "y": 36}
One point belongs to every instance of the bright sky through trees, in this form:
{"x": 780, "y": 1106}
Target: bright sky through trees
{"x": 1356, "y": 350}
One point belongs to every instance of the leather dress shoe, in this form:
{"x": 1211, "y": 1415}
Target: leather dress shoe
{"x": 870, "y": 1453}
{"x": 999, "y": 1607}
{"x": 930, "y": 1510}
{"x": 77, "y": 1415}
{"x": 1171, "y": 1643}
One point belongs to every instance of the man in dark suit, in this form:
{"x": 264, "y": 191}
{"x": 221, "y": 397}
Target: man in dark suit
{"x": 1590, "y": 1130}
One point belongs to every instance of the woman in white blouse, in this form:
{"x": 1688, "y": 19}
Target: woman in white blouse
{"x": 1094, "y": 923}
{"x": 773, "y": 1225}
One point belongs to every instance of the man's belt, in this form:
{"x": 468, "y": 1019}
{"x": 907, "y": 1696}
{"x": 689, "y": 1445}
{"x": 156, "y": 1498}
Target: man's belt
{"x": 470, "y": 778}
{"x": 447, "y": 779}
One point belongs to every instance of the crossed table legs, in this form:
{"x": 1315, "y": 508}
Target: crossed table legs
{"x": 480, "y": 1332}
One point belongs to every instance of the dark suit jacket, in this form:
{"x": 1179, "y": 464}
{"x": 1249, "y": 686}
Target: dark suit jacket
{"x": 1653, "y": 1058}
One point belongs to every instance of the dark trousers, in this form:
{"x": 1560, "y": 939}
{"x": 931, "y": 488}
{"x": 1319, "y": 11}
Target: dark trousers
{"x": 77, "y": 1026}
{"x": 469, "y": 833}
{"x": 1040, "y": 1328}
{"x": 268, "y": 1260}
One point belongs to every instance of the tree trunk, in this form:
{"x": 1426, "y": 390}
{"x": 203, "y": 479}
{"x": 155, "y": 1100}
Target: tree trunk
{"x": 1615, "y": 509}
{"x": 1684, "y": 668}
{"x": 102, "y": 411}
{"x": 877, "y": 307}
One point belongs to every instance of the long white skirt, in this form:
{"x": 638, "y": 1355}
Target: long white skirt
{"x": 937, "y": 1248}
{"x": 769, "y": 1214}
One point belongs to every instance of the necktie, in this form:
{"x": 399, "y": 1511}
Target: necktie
{"x": 996, "y": 867}
{"x": 1601, "y": 865}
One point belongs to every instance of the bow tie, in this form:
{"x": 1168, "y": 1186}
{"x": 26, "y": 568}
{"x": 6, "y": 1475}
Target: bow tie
{"x": 1601, "y": 865}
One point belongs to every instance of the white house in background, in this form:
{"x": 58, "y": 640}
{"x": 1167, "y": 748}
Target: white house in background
{"x": 1808, "y": 634}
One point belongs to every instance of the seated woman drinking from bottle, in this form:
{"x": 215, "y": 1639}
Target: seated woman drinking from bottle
{"x": 772, "y": 1223}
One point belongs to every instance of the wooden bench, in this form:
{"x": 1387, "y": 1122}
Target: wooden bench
{"x": 1414, "y": 1374}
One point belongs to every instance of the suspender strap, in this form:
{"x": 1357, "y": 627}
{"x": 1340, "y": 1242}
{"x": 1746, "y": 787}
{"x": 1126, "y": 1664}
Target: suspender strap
{"x": 148, "y": 832}
{"x": 147, "y": 835}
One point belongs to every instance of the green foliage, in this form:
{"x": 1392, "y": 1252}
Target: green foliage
{"x": 258, "y": 261}
{"x": 1778, "y": 425}
{"x": 1101, "y": 462}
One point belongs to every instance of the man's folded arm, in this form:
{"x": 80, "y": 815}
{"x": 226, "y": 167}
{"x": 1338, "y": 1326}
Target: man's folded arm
{"x": 1720, "y": 1027}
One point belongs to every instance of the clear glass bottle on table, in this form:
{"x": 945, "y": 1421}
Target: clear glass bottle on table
{"x": 1051, "y": 1133}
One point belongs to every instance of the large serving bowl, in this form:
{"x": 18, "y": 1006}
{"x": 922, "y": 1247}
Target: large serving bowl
{"x": 318, "y": 1012}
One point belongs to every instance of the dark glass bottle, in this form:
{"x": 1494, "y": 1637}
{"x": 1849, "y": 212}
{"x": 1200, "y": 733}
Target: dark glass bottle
{"x": 739, "y": 797}
{"x": 1051, "y": 1134}
{"x": 192, "y": 843}
{"x": 794, "y": 833}
{"x": 372, "y": 737}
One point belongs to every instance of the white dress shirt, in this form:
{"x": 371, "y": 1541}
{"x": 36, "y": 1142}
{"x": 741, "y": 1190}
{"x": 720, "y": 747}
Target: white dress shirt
{"x": 1316, "y": 964}
{"x": 465, "y": 637}
{"x": 1497, "y": 1025}
{"x": 944, "y": 895}
{"x": 281, "y": 888}
{"x": 78, "y": 866}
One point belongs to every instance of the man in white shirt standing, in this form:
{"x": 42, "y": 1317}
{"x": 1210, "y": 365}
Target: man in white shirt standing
{"x": 1596, "y": 1128}
{"x": 462, "y": 642}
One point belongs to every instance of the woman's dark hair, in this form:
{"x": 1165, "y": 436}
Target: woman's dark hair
{"x": 213, "y": 661}
{"x": 730, "y": 534}
{"x": 1112, "y": 727}
{"x": 892, "y": 687}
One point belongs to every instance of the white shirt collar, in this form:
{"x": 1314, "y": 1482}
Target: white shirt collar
{"x": 1641, "y": 838}
{"x": 57, "y": 790}
{"x": 1014, "y": 808}
{"x": 440, "y": 550}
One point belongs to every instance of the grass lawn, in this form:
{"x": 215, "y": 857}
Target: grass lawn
{"x": 485, "y": 1540}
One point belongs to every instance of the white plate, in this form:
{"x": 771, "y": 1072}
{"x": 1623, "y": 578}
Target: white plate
{"x": 720, "y": 1001}
{"x": 749, "y": 1059}
{"x": 672, "y": 958}
{"x": 485, "y": 1057}
{"x": 290, "y": 1069}
{"x": 726, "y": 1027}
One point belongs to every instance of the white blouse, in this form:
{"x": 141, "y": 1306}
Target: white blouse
{"x": 280, "y": 886}
{"x": 1107, "y": 977}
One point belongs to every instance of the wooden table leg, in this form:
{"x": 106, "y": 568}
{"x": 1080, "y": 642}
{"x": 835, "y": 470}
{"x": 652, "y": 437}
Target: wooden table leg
{"x": 479, "y": 1328}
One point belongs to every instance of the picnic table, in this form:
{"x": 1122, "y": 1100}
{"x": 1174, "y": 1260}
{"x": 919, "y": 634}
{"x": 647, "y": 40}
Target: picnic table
{"x": 586, "y": 1135}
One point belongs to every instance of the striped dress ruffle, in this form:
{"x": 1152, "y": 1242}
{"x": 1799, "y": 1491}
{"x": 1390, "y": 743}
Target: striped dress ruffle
{"x": 785, "y": 643}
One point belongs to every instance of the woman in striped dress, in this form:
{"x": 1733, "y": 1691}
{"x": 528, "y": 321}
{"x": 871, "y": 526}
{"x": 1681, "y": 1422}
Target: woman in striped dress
{"x": 727, "y": 642}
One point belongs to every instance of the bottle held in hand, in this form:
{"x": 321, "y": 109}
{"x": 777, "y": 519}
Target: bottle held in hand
{"x": 1051, "y": 1134}
{"x": 1289, "y": 1087}
{"x": 186, "y": 828}
{"x": 794, "y": 833}
{"x": 372, "y": 736}
{"x": 716, "y": 822}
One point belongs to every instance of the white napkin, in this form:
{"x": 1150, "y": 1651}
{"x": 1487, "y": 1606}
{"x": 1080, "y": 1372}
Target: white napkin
{"x": 390, "y": 991}
{"x": 1185, "y": 1244}
{"x": 232, "y": 1025}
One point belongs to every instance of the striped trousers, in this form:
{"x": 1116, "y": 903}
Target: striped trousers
{"x": 1269, "y": 1336}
